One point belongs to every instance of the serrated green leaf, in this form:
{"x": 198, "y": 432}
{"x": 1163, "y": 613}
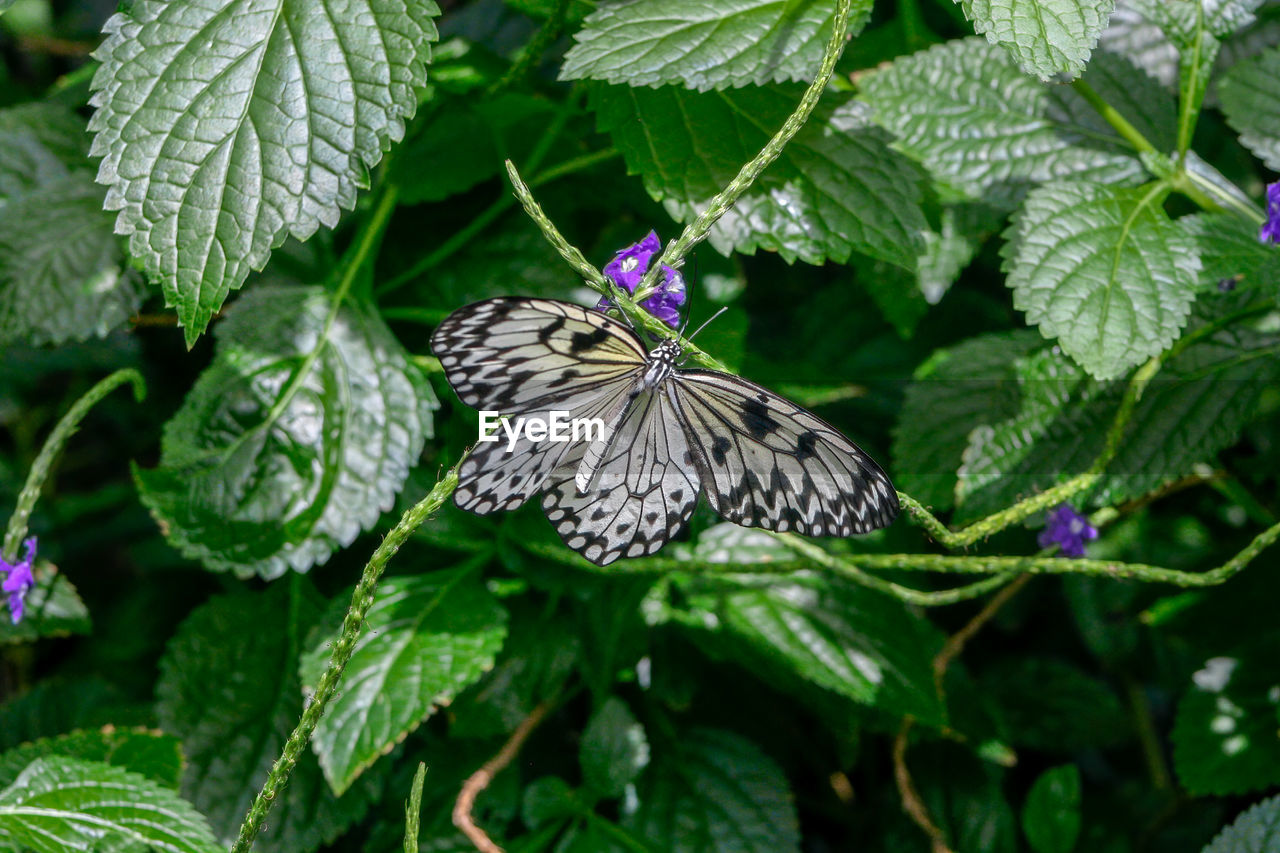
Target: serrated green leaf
{"x": 980, "y": 125}
{"x": 837, "y": 188}
{"x": 255, "y": 480}
{"x": 958, "y": 390}
{"x": 614, "y": 749}
{"x": 1051, "y": 814}
{"x": 55, "y": 706}
{"x": 714, "y": 792}
{"x": 62, "y": 274}
{"x": 861, "y": 644}
{"x": 1255, "y": 831}
{"x": 1131, "y": 35}
{"x": 1045, "y": 37}
{"x": 1052, "y": 706}
{"x": 1251, "y": 102}
{"x": 728, "y": 44}
{"x": 226, "y": 126}
{"x": 53, "y": 609}
{"x": 1231, "y": 252}
{"x": 59, "y": 804}
{"x": 1225, "y": 737}
{"x": 153, "y": 754}
{"x": 1186, "y": 21}
{"x": 1104, "y": 271}
{"x": 426, "y": 638}
{"x": 234, "y": 710}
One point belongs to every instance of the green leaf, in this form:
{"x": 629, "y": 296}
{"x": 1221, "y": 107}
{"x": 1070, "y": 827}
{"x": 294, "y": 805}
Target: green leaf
{"x": 1104, "y": 271}
{"x": 1053, "y": 706}
{"x": 1185, "y": 21}
{"x": 56, "y": 705}
{"x": 980, "y": 125}
{"x": 225, "y": 127}
{"x": 253, "y": 479}
{"x": 546, "y": 799}
{"x": 1252, "y": 104}
{"x": 714, "y": 792}
{"x": 1231, "y": 251}
{"x": 727, "y": 44}
{"x": 1132, "y": 35}
{"x": 1045, "y": 37}
{"x": 59, "y": 804}
{"x": 955, "y": 392}
{"x": 53, "y": 609}
{"x": 1225, "y": 737}
{"x": 156, "y": 755}
{"x": 614, "y": 749}
{"x": 62, "y": 274}
{"x": 234, "y": 710}
{"x": 861, "y": 644}
{"x": 425, "y": 638}
{"x": 1255, "y": 831}
{"x": 1051, "y": 814}
{"x": 837, "y": 188}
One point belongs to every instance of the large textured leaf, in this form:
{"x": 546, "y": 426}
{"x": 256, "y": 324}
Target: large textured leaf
{"x": 227, "y": 125}
{"x": 858, "y": 643}
{"x": 61, "y": 269}
{"x": 958, "y": 390}
{"x": 614, "y": 749}
{"x": 713, "y": 792}
{"x": 837, "y": 187}
{"x": 234, "y": 710}
{"x": 1045, "y": 37}
{"x": 255, "y": 479}
{"x": 1104, "y": 271}
{"x": 62, "y": 804}
{"x": 1255, "y": 831}
{"x": 1225, "y": 738}
{"x": 153, "y": 754}
{"x": 1251, "y": 101}
{"x": 425, "y": 638}
{"x": 1231, "y": 255}
{"x": 703, "y": 46}
{"x": 979, "y": 124}
{"x": 1132, "y": 35}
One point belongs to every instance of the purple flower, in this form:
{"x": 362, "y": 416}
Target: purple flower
{"x": 18, "y": 579}
{"x": 1270, "y": 232}
{"x": 629, "y": 266}
{"x": 1067, "y": 529}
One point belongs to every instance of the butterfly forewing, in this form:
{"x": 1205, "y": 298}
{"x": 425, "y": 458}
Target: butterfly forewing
{"x": 642, "y": 493}
{"x": 520, "y": 355}
{"x": 766, "y": 462}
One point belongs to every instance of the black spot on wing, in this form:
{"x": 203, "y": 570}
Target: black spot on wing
{"x": 806, "y": 444}
{"x": 545, "y": 333}
{"x": 719, "y": 448}
{"x": 757, "y": 419}
{"x": 583, "y": 341}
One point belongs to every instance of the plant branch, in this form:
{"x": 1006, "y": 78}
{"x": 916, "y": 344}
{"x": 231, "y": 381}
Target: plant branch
{"x": 65, "y": 428}
{"x": 912, "y": 804}
{"x": 343, "y": 647}
{"x": 1113, "y": 117}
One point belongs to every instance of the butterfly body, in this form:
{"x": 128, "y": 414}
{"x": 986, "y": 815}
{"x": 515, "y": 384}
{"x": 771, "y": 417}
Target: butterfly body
{"x": 669, "y": 434}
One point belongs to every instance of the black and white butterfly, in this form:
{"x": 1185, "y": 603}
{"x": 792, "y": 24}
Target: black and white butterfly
{"x": 669, "y": 433}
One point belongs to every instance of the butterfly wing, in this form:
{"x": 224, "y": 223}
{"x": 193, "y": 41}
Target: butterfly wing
{"x": 517, "y": 355}
{"x": 643, "y": 491}
{"x": 766, "y": 462}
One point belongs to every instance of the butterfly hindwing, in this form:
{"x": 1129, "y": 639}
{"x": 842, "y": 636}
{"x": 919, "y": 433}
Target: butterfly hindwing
{"x": 517, "y": 355}
{"x": 766, "y": 462}
{"x": 642, "y": 493}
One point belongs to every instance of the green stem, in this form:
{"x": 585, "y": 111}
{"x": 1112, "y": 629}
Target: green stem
{"x": 698, "y": 230}
{"x": 65, "y": 428}
{"x": 533, "y": 50}
{"x": 1113, "y": 117}
{"x": 343, "y": 647}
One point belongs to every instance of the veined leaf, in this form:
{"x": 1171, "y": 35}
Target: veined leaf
{"x": 261, "y": 471}
{"x": 1051, "y": 815}
{"x": 1251, "y": 101}
{"x": 1104, "y": 271}
{"x": 1231, "y": 253}
{"x": 1185, "y": 21}
{"x": 62, "y": 275}
{"x": 711, "y": 46}
{"x": 226, "y": 126}
{"x": 1255, "y": 831}
{"x": 153, "y": 754}
{"x": 1142, "y": 42}
{"x": 53, "y": 609}
{"x": 714, "y": 792}
{"x": 1045, "y": 37}
{"x": 979, "y": 124}
{"x": 59, "y": 804}
{"x": 837, "y": 188}
{"x": 426, "y": 638}
{"x": 234, "y": 710}
{"x": 614, "y": 749}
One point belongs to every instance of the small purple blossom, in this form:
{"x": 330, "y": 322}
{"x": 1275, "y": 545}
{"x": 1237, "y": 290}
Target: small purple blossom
{"x": 19, "y": 579}
{"x": 629, "y": 266}
{"x": 1270, "y": 232}
{"x": 1067, "y": 529}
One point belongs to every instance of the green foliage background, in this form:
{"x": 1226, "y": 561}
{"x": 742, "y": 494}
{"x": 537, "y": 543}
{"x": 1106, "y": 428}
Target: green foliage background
{"x": 1017, "y": 270}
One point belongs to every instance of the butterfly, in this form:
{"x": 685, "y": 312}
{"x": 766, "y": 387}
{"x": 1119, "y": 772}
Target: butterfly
{"x": 668, "y": 434}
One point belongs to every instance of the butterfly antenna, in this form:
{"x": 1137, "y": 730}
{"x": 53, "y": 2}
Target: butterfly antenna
{"x": 707, "y": 323}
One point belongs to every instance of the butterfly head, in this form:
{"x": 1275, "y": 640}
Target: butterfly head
{"x": 662, "y": 360}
